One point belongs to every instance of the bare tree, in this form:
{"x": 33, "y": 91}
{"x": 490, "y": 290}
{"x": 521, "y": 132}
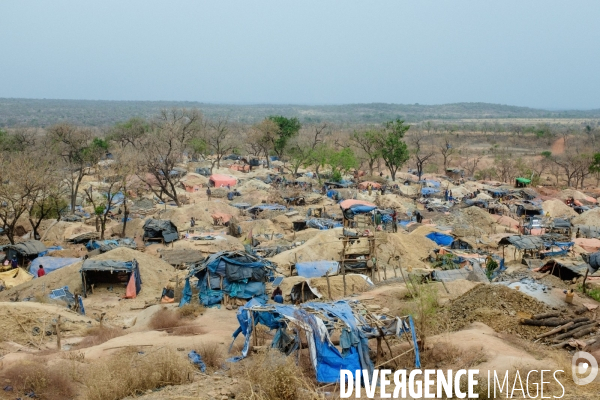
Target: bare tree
{"x": 367, "y": 143}
{"x": 76, "y": 148}
{"x": 220, "y": 139}
{"x": 421, "y": 149}
{"x": 470, "y": 161}
{"x": 162, "y": 150}
{"x": 107, "y": 197}
{"x": 447, "y": 151}
{"x": 263, "y": 136}
{"x": 302, "y": 146}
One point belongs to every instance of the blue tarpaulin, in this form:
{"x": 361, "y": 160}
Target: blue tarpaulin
{"x": 428, "y": 191}
{"x": 441, "y": 239}
{"x": 318, "y": 320}
{"x": 316, "y": 269}
{"x": 50, "y": 264}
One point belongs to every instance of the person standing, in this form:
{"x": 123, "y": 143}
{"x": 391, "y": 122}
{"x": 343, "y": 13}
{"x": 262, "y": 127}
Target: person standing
{"x": 41, "y": 271}
{"x": 14, "y": 263}
{"x": 394, "y": 221}
{"x": 208, "y": 193}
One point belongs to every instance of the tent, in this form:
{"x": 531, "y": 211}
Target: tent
{"x": 14, "y": 277}
{"x": 352, "y": 207}
{"x": 50, "y": 264}
{"x": 320, "y": 321}
{"x": 220, "y": 180}
{"x": 235, "y": 274}
{"x": 25, "y": 251}
{"x": 522, "y": 182}
{"x": 160, "y": 229}
{"x": 441, "y": 239}
{"x": 316, "y": 269}
{"x": 111, "y": 271}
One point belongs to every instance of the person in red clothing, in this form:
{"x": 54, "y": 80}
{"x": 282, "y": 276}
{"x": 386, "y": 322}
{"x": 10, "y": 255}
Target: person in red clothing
{"x": 41, "y": 271}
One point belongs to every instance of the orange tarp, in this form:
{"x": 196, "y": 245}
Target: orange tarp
{"x": 589, "y": 245}
{"x": 222, "y": 180}
{"x": 374, "y": 185}
{"x": 221, "y": 218}
{"x": 350, "y": 202}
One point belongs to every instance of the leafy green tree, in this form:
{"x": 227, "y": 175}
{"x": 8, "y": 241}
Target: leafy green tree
{"x": 288, "y": 128}
{"x": 129, "y": 133}
{"x": 341, "y": 162}
{"x": 394, "y": 150}
{"x": 319, "y": 157}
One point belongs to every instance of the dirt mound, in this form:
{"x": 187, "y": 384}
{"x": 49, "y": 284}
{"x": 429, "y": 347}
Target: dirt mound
{"x": 57, "y": 232}
{"x": 557, "y": 208}
{"x": 412, "y": 249}
{"x": 496, "y": 306}
{"x": 590, "y": 217}
{"x": 577, "y": 195}
{"x": 154, "y": 272}
{"x": 222, "y": 242}
{"x": 30, "y": 323}
{"x": 253, "y": 184}
{"x": 424, "y": 230}
{"x": 323, "y": 245}
{"x": 473, "y": 221}
{"x": 202, "y": 211}
{"x": 261, "y": 226}
{"x": 134, "y": 228}
{"x": 391, "y": 201}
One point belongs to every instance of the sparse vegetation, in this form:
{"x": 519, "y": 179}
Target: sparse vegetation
{"x": 35, "y": 379}
{"x": 98, "y": 335}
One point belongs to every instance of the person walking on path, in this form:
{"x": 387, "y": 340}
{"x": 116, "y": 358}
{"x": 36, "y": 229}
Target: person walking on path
{"x": 208, "y": 193}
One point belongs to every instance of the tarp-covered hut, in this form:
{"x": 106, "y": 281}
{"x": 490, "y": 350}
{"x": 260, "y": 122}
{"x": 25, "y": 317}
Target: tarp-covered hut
{"x": 160, "y": 229}
{"x": 50, "y": 264}
{"x": 94, "y": 272}
{"x": 25, "y": 251}
{"x": 221, "y": 180}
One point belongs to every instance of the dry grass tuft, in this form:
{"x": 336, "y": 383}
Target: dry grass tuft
{"x": 98, "y": 335}
{"x": 188, "y": 330}
{"x": 212, "y": 355}
{"x": 273, "y": 376}
{"x": 191, "y": 310}
{"x": 130, "y": 373}
{"x": 50, "y": 383}
{"x": 445, "y": 355}
{"x": 165, "y": 318}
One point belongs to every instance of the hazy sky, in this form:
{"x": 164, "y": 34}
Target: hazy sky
{"x": 541, "y": 53}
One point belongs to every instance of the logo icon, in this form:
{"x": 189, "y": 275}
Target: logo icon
{"x": 590, "y": 367}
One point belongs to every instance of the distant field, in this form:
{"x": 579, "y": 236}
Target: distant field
{"x": 41, "y": 112}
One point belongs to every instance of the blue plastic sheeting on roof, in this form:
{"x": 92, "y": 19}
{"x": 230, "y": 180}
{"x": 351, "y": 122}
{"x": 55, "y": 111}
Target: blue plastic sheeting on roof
{"x": 405, "y": 223}
{"x": 427, "y": 191}
{"x": 50, "y": 264}
{"x": 316, "y": 269}
{"x": 361, "y": 208}
{"x": 440, "y": 239}
{"x": 274, "y": 158}
{"x": 48, "y": 250}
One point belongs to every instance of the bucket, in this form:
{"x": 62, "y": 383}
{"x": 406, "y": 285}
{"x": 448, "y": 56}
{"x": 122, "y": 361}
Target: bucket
{"x": 569, "y": 297}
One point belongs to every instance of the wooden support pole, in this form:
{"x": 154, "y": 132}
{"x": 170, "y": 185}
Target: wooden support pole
{"x": 328, "y": 285}
{"x": 379, "y": 350}
{"x": 58, "y": 344}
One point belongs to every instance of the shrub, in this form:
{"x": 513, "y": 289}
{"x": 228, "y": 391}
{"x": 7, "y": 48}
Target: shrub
{"x": 191, "y": 310}
{"x": 130, "y": 373}
{"x": 212, "y": 355}
{"x": 98, "y": 335}
{"x": 273, "y": 376}
{"x": 165, "y": 318}
{"x": 50, "y": 383}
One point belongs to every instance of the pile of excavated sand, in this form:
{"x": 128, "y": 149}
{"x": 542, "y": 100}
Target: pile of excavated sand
{"x": 577, "y": 195}
{"x": 590, "y": 217}
{"x": 284, "y": 222}
{"x": 326, "y": 245}
{"x": 557, "y": 208}
{"x": 222, "y": 242}
{"x": 474, "y": 221}
{"x": 497, "y": 306}
{"x": 506, "y": 221}
{"x": 412, "y": 190}
{"x": 260, "y": 226}
{"x": 59, "y": 231}
{"x": 201, "y": 211}
{"x": 31, "y": 324}
{"x": 253, "y": 184}
{"x": 154, "y": 272}
{"x": 391, "y": 201}
{"x": 354, "y": 284}
{"x": 424, "y": 230}
{"x": 134, "y": 228}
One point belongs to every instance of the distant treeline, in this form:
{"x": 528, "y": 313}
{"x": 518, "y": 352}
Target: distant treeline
{"x": 44, "y": 113}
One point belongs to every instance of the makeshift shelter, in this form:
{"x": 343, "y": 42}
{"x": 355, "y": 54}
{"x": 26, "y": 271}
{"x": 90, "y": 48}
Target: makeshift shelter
{"x": 220, "y": 180}
{"x": 569, "y": 268}
{"x": 441, "y": 239}
{"x": 94, "y": 272}
{"x": 522, "y": 182}
{"x": 352, "y": 207}
{"x": 25, "y": 251}
{"x": 229, "y": 275}
{"x": 50, "y": 264}
{"x": 160, "y": 229}
{"x": 266, "y": 207}
{"x": 319, "y": 322}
